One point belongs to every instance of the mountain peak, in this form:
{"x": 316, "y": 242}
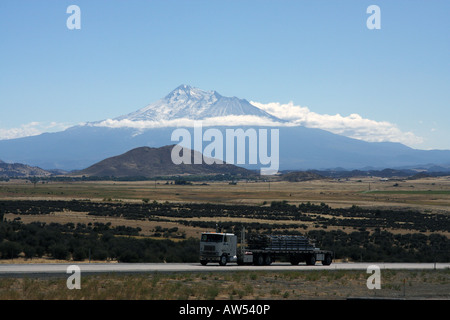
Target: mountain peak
{"x": 187, "y": 102}
{"x": 188, "y": 92}
{"x": 181, "y": 88}
{"x": 188, "y": 88}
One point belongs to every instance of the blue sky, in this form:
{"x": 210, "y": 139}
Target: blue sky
{"x": 314, "y": 54}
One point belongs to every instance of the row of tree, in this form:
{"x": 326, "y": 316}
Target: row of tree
{"x": 97, "y": 242}
{"x": 322, "y": 214}
{"x": 101, "y": 242}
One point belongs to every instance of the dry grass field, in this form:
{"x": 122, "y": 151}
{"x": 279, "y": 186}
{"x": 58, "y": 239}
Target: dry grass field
{"x": 427, "y": 195}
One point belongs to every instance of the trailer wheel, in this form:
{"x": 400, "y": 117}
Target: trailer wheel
{"x": 203, "y": 262}
{"x": 267, "y": 260}
{"x": 311, "y": 260}
{"x": 223, "y": 260}
{"x": 259, "y": 260}
{"x": 327, "y": 260}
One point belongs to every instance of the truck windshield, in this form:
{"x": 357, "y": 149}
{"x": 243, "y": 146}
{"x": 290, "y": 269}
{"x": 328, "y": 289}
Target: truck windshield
{"x": 212, "y": 237}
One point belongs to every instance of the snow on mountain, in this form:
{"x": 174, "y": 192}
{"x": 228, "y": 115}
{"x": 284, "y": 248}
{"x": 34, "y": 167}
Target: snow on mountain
{"x": 300, "y": 147}
{"x": 187, "y": 103}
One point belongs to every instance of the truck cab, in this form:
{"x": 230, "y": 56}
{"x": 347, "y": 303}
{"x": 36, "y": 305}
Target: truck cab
{"x": 218, "y": 247}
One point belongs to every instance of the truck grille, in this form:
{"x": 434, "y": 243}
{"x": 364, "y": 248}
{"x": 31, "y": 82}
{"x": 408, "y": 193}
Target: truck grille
{"x": 209, "y": 248}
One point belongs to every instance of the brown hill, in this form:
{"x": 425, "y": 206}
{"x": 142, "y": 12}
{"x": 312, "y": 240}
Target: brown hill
{"x": 20, "y": 170}
{"x": 155, "y": 162}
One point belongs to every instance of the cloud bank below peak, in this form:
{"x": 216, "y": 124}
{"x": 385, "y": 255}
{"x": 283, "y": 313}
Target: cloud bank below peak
{"x": 352, "y": 126}
{"x": 229, "y": 120}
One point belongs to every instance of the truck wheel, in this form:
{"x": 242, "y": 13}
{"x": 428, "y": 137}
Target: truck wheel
{"x": 267, "y": 260}
{"x": 311, "y": 260}
{"x": 223, "y": 260}
{"x": 203, "y": 262}
{"x": 327, "y": 260}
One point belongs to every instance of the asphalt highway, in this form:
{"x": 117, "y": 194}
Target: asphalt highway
{"x": 57, "y": 269}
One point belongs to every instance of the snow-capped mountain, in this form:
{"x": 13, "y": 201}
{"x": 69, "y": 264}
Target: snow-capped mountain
{"x": 186, "y": 102}
{"x": 300, "y": 147}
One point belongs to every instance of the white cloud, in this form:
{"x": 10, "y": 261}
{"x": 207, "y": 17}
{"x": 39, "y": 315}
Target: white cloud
{"x": 231, "y": 120}
{"x": 353, "y": 126}
{"x": 31, "y": 129}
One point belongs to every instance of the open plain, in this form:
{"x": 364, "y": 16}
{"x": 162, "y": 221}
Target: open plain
{"x": 426, "y": 197}
{"x": 430, "y": 195}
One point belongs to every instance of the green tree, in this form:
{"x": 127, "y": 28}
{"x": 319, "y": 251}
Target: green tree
{"x": 29, "y": 251}
{"x": 79, "y": 254}
{"x": 59, "y": 251}
{"x": 9, "y": 249}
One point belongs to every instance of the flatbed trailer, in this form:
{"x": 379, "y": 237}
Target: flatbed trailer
{"x": 265, "y": 249}
{"x": 266, "y": 257}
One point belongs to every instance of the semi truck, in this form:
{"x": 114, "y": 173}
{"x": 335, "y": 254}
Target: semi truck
{"x": 260, "y": 249}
